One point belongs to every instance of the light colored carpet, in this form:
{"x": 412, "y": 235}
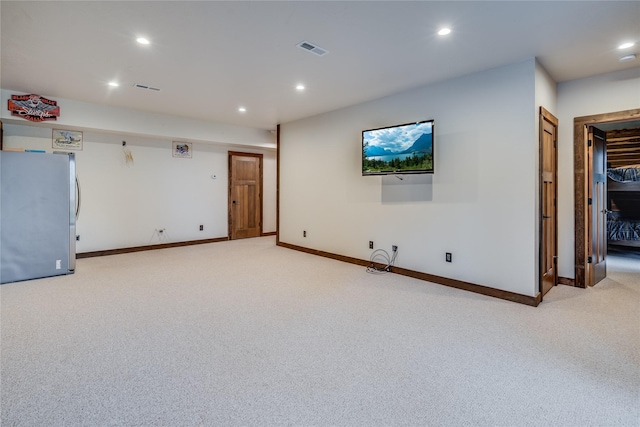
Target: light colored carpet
{"x": 248, "y": 333}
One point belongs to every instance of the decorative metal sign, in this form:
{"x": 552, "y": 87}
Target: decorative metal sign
{"x": 33, "y": 107}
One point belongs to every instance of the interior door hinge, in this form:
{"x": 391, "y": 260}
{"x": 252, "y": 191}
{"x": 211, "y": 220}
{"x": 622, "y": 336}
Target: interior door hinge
{"x": 589, "y": 143}
{"x": 589, "y": 260}
{"x": 590, "y": 201}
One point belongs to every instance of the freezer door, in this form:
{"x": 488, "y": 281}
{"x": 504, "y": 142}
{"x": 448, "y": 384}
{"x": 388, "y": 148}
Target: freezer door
{"x": 34, "y": 216}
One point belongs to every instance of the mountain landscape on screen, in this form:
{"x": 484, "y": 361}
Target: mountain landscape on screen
{"x": 398, "y": 149}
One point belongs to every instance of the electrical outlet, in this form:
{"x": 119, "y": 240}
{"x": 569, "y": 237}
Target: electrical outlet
{"x": 370, "y": 244}
{"x": 77, "y": 238}
{"x": 447, "y": 256}
{"x": 201, "y": 227}
{"x": 304, "y": 233}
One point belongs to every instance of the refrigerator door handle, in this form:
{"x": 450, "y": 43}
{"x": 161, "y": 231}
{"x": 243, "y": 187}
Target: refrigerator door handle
{"x": 72, "y": 212}
{"x": 78, "y": 198}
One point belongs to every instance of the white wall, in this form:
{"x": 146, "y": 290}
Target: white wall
{"x": 606, "y": 93}
{"x": 480, "y": 204}
{"x": 123, "y": 205}
{"x": 546, "y": 92}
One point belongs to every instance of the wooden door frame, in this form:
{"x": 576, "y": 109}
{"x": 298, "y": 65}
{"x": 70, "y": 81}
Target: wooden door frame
{"x": 278, "y": 184}
{"x": 229, "y": 190}
{"x": 545, "y": 115}
{"x": 581, "y": 173}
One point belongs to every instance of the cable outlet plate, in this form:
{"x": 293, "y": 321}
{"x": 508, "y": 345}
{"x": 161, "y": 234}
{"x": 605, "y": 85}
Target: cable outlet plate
{"x": 447, "y": 256}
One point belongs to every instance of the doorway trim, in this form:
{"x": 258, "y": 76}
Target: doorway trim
{"x": 581, "y": 172}
{"x": 278, "y": 185}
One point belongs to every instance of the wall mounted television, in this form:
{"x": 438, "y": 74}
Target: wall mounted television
{"x": 399, "y": 149}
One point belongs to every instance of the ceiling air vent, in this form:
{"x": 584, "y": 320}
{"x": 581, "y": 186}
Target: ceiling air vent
{"x": 146, "y": 87}
{"x": 312, "y": 48}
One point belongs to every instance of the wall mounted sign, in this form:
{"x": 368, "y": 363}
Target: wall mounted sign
{"x": 67, "y": 139}
{"x": 33, "y": 107}
{"x": 182, "y": 149}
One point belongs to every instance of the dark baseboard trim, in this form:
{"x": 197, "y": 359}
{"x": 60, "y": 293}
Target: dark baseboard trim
{"x": 148, "y": 247}
{"x": 453, "y": 283}
{"x": 471, "y": 287}
{"x": 351, "y": 260}
{"x": 269, "y": 233}
{"x": 566, "y": 281}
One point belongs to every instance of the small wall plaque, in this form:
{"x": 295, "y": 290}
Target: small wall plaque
{"x": 67, "y": 139}
{"x": 182, "y": 149}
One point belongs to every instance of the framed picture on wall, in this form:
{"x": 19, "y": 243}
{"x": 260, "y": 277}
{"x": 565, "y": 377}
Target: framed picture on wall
{"x": 67, "y": 139}
{"x": 182, "y": 149}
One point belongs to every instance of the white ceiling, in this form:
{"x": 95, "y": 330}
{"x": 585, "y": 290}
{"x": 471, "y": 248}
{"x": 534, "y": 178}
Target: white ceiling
{"x": 210, "y": 57}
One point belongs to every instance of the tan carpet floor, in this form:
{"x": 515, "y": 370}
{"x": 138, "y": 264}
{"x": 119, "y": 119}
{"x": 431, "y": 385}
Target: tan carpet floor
{"x": 245, "y": 333}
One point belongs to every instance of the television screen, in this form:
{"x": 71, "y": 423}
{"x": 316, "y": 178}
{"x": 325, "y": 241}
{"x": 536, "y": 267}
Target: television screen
{"x": 398, "y": 149}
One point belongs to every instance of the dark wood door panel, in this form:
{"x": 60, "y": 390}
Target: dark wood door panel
{"x": 548, "y": 201}
{"x": 598, "y": 204}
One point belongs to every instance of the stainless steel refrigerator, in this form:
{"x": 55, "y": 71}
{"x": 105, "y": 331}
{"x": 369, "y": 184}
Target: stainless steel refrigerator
{"x": 37, "y": 215}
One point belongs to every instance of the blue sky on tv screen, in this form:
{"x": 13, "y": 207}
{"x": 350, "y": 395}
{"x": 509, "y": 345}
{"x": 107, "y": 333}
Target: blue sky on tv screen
{"x": 396, "y": 139}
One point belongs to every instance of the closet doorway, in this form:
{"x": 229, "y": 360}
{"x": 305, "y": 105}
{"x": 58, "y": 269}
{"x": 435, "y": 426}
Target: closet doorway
{"x": 586, "y": 189}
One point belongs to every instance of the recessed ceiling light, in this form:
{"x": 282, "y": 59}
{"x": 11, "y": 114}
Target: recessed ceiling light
{"x": 114, "y": 84}
{"x": 444, "y": 31}
{"x": 627, "y": 58}
{"x": 242, "y": 110}
{"x": 142, "y": 40}
{"x": 300, "y": 87}
{"x": 625, "y": 45}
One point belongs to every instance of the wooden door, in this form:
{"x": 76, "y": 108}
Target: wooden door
{"x": 245, "y": 195}
{"x": 598, "y": 200}
{"x": 548, "y": 202}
